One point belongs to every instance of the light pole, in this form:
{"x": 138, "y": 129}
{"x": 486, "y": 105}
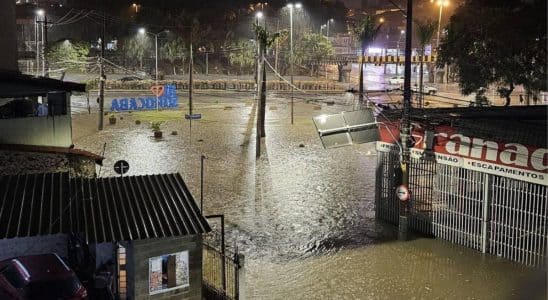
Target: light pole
{"x": 402, "y": 33}
{"x": 441, "y": 4}
{"x": 291, "y": 6}
{"x": 39, "y": 13}
{"x": 327, "y": 32}
{"x": 143, "y": 31}
{"x": 258, "y": 16}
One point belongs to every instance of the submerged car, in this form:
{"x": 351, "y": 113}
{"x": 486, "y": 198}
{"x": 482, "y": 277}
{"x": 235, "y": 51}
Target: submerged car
{"x": 44, "y": 276}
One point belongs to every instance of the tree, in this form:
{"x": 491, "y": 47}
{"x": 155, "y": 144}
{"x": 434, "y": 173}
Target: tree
{"x": 425, "y": 31}
{"x": 497, "y": 42}
{"x": 137, "y": 47}
{"x": 311, "y": 49}
{"x": 242, "y": 54}
{"x": 69, "y": 54}
{"x": 365, "y": 32}
{"x": 265, "y": 39}
{"x": 174, "y": 50}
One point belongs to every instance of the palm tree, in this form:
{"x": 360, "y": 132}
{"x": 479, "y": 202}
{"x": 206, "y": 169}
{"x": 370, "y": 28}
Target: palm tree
{"x": 365, "y": 32}
{"x": 425, "y": 31}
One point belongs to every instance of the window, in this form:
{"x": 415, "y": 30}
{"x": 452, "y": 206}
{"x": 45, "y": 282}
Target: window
{"x": 168, "y": 272}
{"x": 13, "y": 277}
{"x": 54, "y": 104}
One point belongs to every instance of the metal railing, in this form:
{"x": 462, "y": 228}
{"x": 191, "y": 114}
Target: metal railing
{"x": 489, "y": 213}
{"x": 220, "y": 271}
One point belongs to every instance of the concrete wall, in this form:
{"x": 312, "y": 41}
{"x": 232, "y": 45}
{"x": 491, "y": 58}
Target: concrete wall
{"x": 19, "y": 162}
{"x": 138, "y": 266}
{"x": 56, "y": 243}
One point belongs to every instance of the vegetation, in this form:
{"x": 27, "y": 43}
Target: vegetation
{"x": 242, "y": 54}
{"x": 137, "y": 48}
{"x": 174, "y": 51}
{"x": 156, "y": 126}
{"x": 365, "y": 31}
{"x": 69, "y": 54}
{"x": 312, "y": 47}
{"x": 498, "y": 42}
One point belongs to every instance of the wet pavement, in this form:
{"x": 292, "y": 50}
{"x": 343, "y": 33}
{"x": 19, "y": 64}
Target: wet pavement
{"x": 303, "y": 216}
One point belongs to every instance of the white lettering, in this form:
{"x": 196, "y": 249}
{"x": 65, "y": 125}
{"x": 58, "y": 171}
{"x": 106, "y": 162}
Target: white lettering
{"x": 515, "y": 154}
{"x": 478, "y": 146}
{"x": 538, "y": 159}
{"x": 461, "y": 148}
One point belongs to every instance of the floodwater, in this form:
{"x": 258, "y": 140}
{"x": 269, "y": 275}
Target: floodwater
{"x": 303, "y": 216}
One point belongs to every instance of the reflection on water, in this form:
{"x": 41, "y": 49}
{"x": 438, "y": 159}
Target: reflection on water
{"x": 303, "y": 216}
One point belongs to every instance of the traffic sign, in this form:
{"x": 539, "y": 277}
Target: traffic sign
{"x": 402, "y": 192}
{"x": 193, "y": 116}
{"x": 121, "y": 167}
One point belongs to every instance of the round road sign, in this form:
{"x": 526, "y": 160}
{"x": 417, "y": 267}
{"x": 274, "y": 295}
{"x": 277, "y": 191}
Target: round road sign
{"x": 121, "y": 167}
{"x": 402, "y": 192}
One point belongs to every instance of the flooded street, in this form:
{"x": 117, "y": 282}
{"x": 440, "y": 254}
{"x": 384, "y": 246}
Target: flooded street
{"x": 303, "y": 216}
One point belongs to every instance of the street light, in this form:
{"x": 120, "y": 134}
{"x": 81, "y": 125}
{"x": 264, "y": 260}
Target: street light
{"x": 143, "y": 31}
{"x": 402, "y": 34}
{"x": 441, "y": 4}
{"x": 327, "y": 32}
{"x": 40, "y": 12}
{"x": 291, "y": 6}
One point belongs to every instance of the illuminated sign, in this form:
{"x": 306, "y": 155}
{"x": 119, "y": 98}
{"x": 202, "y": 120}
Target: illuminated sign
{"x": 165, "y": 97}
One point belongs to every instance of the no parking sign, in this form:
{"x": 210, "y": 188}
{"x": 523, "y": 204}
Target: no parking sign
{"x": 402, "y": 192}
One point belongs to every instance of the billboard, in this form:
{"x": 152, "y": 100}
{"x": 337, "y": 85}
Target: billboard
{"x": 164, "y": 96}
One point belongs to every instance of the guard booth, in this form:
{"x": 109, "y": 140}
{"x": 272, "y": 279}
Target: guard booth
{"x": 478, "y": 178}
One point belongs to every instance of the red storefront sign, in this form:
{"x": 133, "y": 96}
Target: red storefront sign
{"x": 450, "y": 147}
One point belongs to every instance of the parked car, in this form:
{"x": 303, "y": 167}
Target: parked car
{"x": 397, "y": 80}
{"x": 431, "y": 90}
{"x": 44, "y": 276}
{"x": 131, "y": 78}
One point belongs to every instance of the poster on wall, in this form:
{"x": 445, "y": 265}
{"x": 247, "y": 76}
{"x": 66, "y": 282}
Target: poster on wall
{"x": 168, "y": 272}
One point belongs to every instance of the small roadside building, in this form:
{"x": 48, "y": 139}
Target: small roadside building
{"x": 139, "y": 235}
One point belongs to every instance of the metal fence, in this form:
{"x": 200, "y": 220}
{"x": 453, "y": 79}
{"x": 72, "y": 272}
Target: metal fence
{"x": 220, "y": 272}
{"x": 489, "y": 213}
{"x": 519, "y": 221}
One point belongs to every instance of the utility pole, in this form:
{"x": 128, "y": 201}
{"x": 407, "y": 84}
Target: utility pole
{"x": 102, "y": 76}
{"x": 405, "y": 125}
{"x": 190, "y": 80}
{"x": 291, "y": 56}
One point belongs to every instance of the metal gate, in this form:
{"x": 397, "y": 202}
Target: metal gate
{"x": 220, "y": 271}
{"x": 458, "y": 208}
{"x": 492, "y": 214}
{"x": 519, "y": 221}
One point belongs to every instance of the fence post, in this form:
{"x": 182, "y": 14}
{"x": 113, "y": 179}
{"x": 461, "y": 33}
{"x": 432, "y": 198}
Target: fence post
{"x": 486, "y": 217}
{"x": 239, "y": 260}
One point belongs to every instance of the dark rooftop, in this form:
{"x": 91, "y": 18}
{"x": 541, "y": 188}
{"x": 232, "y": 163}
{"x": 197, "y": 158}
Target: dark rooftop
{"x": 102, "y": 209}
{"x": 16, "y": 85}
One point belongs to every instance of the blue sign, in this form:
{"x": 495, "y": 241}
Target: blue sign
{"x": 168, "y": 99}
{"x": 193, "y": 117}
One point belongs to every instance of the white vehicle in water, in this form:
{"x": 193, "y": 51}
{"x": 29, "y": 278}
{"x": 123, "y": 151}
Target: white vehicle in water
{"x": 398, "y": 80}
{"x": 430, "y": 90}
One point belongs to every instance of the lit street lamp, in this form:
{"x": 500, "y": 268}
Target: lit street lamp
{"x": 291, "y": 6}
{"x": 441, "y": 4}
{"x": 143, "y": 31}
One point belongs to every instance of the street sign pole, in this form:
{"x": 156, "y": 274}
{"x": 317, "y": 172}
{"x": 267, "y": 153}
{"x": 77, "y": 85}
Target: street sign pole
{"x": 405, "y": 129}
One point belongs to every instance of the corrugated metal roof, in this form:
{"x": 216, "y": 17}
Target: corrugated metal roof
{"x": 102, "y": 209}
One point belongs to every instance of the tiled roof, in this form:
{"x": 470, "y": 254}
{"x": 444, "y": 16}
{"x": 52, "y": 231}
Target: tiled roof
{"x": 102, "y": 209}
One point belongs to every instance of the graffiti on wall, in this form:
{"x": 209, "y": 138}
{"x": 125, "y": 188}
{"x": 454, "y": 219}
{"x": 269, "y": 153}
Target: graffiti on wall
{"x": 164, "y": 97}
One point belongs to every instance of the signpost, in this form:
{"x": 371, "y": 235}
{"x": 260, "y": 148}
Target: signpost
{"x": 403, "y": 193}
{"x": 121, "y": 167}
{"x": 193, "y": 116}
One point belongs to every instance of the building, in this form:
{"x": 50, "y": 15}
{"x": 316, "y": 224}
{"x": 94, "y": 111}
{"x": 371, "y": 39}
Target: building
{"x": 473, "y": 181}
{"x": 139, "y": 235}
